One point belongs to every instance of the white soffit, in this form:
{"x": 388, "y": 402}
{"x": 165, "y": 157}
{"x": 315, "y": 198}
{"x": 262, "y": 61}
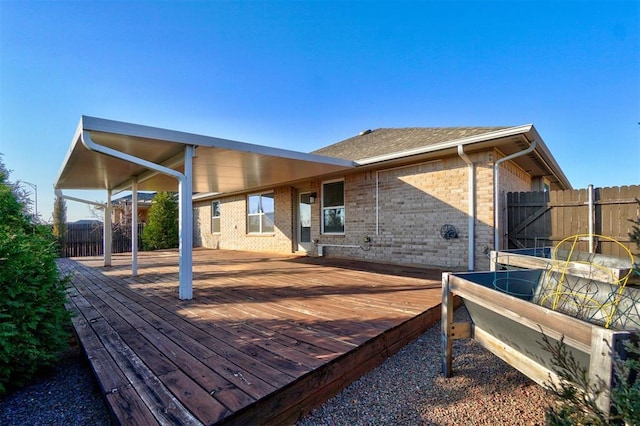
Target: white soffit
{"x": 220, "y": 165}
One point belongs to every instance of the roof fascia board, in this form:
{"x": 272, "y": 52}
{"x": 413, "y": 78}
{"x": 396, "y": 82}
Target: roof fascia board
{"x": 67, "y": 157}
{"x": 511, "y": 131}
{"x": 137, "y": 130}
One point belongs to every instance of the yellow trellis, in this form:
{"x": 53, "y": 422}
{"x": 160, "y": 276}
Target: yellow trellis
{"x": 584, "y": 299}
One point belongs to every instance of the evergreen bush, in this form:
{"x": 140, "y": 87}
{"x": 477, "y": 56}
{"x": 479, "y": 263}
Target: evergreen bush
{"x": 161, "y": 230}
{"x": 34, "y": 325}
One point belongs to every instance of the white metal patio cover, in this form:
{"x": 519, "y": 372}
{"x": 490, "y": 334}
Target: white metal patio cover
{"x": 117, "y": 156}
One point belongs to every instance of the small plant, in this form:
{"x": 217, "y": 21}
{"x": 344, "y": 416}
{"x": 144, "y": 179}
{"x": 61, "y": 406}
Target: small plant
{"x": 161, "y": 231}
{"x": 626, "y": 393}
{"x": 576, "y": 395}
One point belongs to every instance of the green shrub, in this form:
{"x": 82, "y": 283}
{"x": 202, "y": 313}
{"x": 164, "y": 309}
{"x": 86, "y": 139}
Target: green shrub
{"x": 59, "y": 228}
{"x": 33, "y": 320}
{"x": 576, "y": 395}
{"x": 626, "y": 394}
{"x": 161, "y": 231}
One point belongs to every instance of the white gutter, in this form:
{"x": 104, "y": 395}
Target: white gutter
{"x": 205, "y": 195}
{"x": 471, "y": 180}
{"x": 184, "y": 194}
{"x": 496, "y": 190}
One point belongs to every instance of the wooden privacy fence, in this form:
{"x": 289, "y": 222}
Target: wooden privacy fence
{"x": 536, "y": 219}
{"x": 86, "y": 239}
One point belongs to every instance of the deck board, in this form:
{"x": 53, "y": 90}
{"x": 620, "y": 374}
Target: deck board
{"x": 265, "y": 339}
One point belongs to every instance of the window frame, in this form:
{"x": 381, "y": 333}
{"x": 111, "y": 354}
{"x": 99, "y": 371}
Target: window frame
{"x": 261, "y": 214}
{"x": 215, "y": 218}
{"x": 323, "y": 208}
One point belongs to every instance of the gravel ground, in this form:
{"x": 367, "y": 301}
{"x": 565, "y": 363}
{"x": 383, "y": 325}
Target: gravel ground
{"x": 407, "y": 389}
{"x": 66, "y": 395}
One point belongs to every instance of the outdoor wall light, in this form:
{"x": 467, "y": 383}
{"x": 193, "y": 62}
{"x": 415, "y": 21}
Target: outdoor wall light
{"x": 312, "y": 198}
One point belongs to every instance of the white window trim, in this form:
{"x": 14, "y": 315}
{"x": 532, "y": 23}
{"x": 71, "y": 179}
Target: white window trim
{"x": 322, "y": 207}
{"x": 216, "y": 217}
{"x": 261, "y": 214}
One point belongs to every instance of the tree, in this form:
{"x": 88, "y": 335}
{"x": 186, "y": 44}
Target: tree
{"x": 59, "y": 221}
{"x": 33, "y": 321}
{"x": 20, "y": 195}
{"x": 161, "y": 231}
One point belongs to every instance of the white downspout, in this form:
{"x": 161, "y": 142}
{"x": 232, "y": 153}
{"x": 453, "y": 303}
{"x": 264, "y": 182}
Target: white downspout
{"x": 184, "y": 194}
{"x": 496, "y": 190}
{"x": 471, "y": 212}
{"x": 377, "y": 202}
{"x": 134, "y": 227}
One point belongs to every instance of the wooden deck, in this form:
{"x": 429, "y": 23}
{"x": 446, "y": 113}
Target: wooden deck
{"x": 264, "y": 340}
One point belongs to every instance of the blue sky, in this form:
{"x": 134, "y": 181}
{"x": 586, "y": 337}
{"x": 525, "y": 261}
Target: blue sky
{"x": 302, "y": 75}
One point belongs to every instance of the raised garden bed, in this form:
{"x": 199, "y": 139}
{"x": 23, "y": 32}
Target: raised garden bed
{"x": 510, "y": 309}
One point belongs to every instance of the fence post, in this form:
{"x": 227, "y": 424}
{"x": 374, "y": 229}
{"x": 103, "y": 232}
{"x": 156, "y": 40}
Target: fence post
{"x": 592, "y": 218}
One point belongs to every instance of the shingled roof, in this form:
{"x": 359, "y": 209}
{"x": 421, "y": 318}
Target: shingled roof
{"x": 388, "y": 141}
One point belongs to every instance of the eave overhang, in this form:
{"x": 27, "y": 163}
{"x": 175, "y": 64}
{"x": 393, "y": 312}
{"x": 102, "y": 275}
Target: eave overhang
{"x": 507, "y": 141}
{"x": 219, "y": 165}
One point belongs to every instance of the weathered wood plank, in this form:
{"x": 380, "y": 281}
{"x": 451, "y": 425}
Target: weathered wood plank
{"x": 128, "y": 405}
{"x": 183, "y": 351}
{"x": 129, "y": 409}
{"x": 265, "y": 339}
{"x": 285, "y": 407}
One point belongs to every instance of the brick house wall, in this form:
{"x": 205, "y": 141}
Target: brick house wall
{"x": 233, "y": 225}
{"x": 414, "y": 202}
